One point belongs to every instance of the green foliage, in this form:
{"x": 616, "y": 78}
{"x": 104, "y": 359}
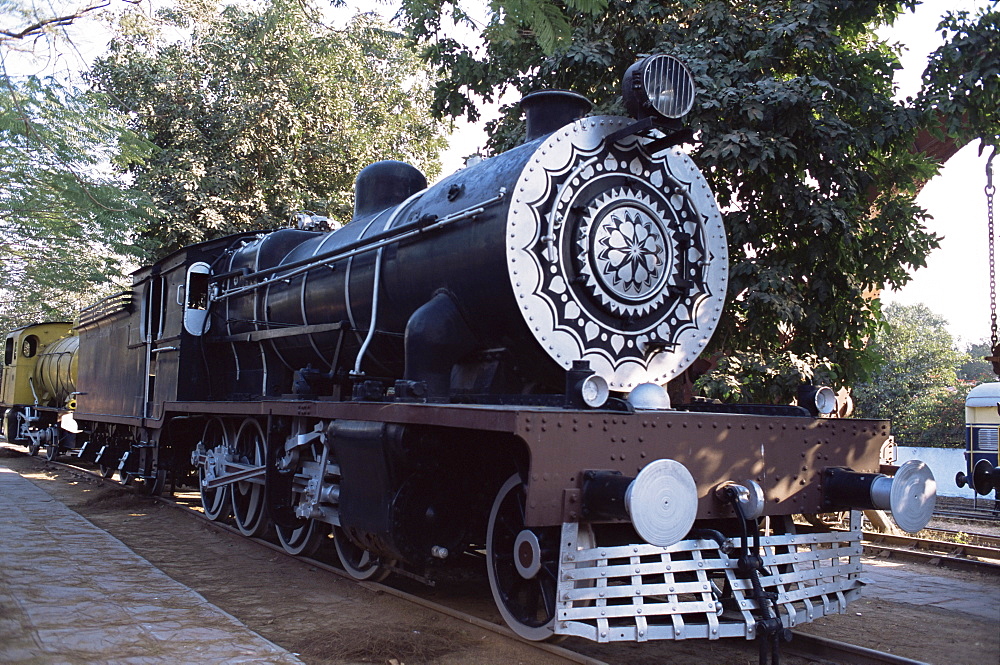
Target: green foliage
{"x": 917, "y": 383}
{"x": 962, "y": 81}
{"x": 755, "y": 379}
{"x": 799, "y": 137}
{"x": 262, "y": 112}
{"x": 974, "y": 368}
{"x": 542, "y": 22}
{"x": 65, "y": 224}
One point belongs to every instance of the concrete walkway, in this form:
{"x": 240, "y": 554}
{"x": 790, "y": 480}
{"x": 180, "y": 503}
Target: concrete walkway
{"x": 897, "y": 582}
{"x": 72, "y": 594}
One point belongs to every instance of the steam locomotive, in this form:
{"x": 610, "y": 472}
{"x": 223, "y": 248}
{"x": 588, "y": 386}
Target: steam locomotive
{"x": 481, "y": 365}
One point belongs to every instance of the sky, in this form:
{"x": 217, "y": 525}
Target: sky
{"x": 955, "y": 283}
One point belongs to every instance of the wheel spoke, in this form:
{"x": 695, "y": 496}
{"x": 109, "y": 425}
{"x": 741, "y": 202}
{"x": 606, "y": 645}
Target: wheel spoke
{"x": 303, "y": 540}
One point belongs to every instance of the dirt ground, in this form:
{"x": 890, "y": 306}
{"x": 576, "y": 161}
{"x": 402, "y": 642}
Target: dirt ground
{"x": 325, "y": 619}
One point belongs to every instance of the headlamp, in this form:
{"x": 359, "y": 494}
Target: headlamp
{"x": 658, "y": 84}
{"x": 818, "y": 400}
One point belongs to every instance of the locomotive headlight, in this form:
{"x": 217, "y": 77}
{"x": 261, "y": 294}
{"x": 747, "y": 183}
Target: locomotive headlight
{"x": 660, "y": 84}
{"x": 819, "y": 400}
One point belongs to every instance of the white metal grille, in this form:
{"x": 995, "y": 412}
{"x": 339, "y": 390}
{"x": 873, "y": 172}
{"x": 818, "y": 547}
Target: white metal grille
{"x": 639, "y": 592}
{"x": 986, "y": 439}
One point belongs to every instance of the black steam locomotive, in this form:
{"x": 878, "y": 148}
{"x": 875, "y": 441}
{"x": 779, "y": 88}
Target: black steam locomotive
{"x": 481, "y": 365}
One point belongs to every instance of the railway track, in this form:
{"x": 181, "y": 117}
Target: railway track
{"x": 945, "y": 554}
{"x": 811, "y": 647}
{"x": 971, "y": 515}
{"x": 979, "y": 510}
{"x": 965, "y": 537}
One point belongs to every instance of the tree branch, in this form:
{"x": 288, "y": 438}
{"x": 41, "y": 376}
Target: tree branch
{"x": 55, "y": 21}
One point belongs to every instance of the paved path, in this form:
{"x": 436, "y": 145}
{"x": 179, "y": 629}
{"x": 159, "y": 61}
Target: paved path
{"x": 71, "y": 594}
{"x": 895, "y": 581}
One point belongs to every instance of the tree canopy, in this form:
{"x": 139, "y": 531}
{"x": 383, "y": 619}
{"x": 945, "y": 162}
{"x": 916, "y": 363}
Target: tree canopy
{"x": 258, "y": 113}
{"x": 800, "y": 137}
{"x": 918, "y": 383}
{"x": 201, "y": 120}
{"x": 65, "y": 223}
{"x": 961, "y": 91}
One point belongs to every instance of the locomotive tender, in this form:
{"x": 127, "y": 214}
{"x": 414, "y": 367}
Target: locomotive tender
{"x": 480, "y": 365}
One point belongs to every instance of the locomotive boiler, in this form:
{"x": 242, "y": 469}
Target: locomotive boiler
{"x": 480, "y": 366}
{"x": 586, "y": 244}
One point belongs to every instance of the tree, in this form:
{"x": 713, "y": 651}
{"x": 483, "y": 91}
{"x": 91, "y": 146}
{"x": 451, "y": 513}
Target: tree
{"x": 917, "y": 383}
{"x": 809, "y": 155}
{"x": 797, "y": 131}
{"x": 974, "y": 368}
{"x": 65, "y": 224}
{"x": 259, "y": 113}
{"x": 544, "y": 21}
{"x": 961, "y": 85}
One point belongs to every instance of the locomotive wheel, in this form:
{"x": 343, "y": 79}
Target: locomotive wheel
{"x": 248, "y": 497}
{"x": 304, "y": 540}
{"x": 525, "y": 589}
{"x": 52, "y": 451}
{"x": 216, "y": 502}
{"x": 357, "y": 561}
{"x": 158, "y": 483}
{"x": 303, "y": 536}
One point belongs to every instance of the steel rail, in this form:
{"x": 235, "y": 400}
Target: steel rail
{"x": 953, "y": 556}
{"x": 976, "y": 516}
{"x": 935, "y": 546}
{"x": 826, "y": 650}
{"x": 982, "y": 539}
{"x": 503, "y": 631}
{"x": 803, "y": 644}
{"x": 940, "y": 560}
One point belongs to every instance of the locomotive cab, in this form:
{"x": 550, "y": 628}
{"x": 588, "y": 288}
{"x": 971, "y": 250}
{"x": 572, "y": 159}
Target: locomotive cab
{"x": 982, "y": 423}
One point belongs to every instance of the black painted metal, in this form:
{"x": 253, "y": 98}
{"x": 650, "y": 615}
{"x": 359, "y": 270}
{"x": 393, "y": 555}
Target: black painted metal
{"x": 412, "y": 271}
{"x": 384, "y": 184}
{"x": 843, "y": 488}
{"x": 546, "y": 111}
{"x": 604, "y": 495}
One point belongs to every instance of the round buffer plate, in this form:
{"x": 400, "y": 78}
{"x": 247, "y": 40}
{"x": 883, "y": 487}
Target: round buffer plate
{"x": 662, "y": 502}
{"x": 913, "y": 495}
